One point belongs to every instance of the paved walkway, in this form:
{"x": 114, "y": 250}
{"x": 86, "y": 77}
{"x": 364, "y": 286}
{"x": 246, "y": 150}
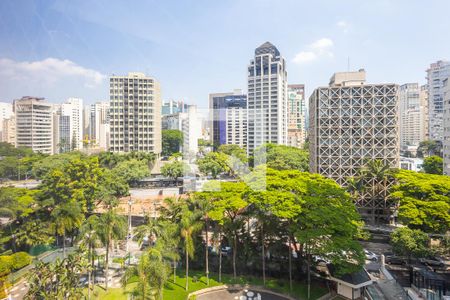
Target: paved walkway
{"x": 238, "y": 295}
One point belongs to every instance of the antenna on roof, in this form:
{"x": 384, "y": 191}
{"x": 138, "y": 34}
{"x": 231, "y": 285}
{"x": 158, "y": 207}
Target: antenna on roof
{"x": 348, "y": 63}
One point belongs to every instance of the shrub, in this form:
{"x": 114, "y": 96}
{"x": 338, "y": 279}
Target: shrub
{"x": 20, "y": 260}
{"x": 5, "y": 265}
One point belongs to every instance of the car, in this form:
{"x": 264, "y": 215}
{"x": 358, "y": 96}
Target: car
{"x": 432, "y": 261}
{"x": 396, "y": 260}
{"x": 320, "y": 259}
{"x": 226, "y": 250}
{"x": 370, "y": 255}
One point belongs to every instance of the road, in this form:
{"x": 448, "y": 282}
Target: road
{"x": 19, "y": 291}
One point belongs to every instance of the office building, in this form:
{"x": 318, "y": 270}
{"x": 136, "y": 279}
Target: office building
{"x": 267, "y": 98}
{"x": 228, "y": 114}
{"x": 191, "y": 126}
{"x": 423, "y": 97}
{"x": 135, "y": 113}
{"x": 173, "y": 107}
{"x": 412, "y": 112}
{"x": 446, "y": 127}
{"x": 6, "y": 112}
{"x": 436, "y": 74}
{"x": 99, "y": 125}
{"x": 68, "y": 126}
{"x": 34, "y": 124}
{"x": 352, "y": 122}
{"x": 296, "y": 115}
{"x": 9, "y": 130}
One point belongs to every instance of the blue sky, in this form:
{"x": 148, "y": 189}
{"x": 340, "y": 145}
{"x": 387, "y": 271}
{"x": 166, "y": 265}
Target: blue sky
{"x": 61, "y": 49}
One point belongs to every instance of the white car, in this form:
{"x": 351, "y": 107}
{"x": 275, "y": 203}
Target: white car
{"x": 370, "y": 255}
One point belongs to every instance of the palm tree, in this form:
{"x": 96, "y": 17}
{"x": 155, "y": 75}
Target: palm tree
{"x": 150, "y": 229}
{"x": 189, "y": 225}
{"x": 89, "y": 237}
{"x": 203, "y": 207}
{"x": 112, "y": 227}
{"x": 152, "y": 273}
{"x": 66, "y": 217}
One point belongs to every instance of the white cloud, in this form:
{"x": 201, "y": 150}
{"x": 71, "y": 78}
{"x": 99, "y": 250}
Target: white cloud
{"x": 344, "y": 25}
{"x": 318, "y": 49}
{"x": 48, "y": 72}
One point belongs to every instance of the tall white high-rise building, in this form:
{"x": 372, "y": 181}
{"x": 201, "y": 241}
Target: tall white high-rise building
{"x": 352, "y": 122}
{"x": 296, "y": 115}
{"x": 34, "y": 124}
{"x": 68, "y": 125}
{"x": 9, "y": 130}
{"x": 99, "y": 126}
{"x": 267, "y": 98}
{"x": 191, "y": 126}
{"x": 436, "y": 74}
{"x": 446, "y": 127}
{"x": 135, "y": 113}
{"x": 412, "y": 112}
{"x": 6, "y": 112}
{"x": 228, "y": 114}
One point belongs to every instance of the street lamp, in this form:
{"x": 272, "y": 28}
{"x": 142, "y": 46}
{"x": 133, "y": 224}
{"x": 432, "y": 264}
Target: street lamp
{"x": 129, "y": 230}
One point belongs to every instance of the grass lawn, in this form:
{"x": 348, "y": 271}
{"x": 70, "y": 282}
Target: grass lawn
{"x": 175, "y": 291}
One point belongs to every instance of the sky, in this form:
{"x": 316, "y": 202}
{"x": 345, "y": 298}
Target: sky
{"x": 69, "y": 48}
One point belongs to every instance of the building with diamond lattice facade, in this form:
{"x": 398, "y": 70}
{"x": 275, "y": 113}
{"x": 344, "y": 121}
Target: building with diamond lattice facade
{"x": 350, "y": 123}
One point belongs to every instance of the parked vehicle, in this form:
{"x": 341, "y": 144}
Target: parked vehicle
{"x": 226, "y": 250}
{"x": 396, "y": 260}
{"x": 432, "y": 261}
{"x": 370, "y": 255}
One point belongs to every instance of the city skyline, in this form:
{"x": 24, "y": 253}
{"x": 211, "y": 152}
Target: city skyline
{"x": 53, "y": 42}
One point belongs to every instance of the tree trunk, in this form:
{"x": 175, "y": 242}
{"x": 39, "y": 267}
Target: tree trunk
{"x": 107, "y": 265}
{"x": 89, "y": 272}
{"x": 174, "y": 270}
{"x": 263, "y": 255}
{"x": 290, "y": 266}
{"x": 206, "y": 254}
{"x": 64, "y": 244}
{"x": 234, "y": 255}
{"x": 220, "y": 256}
{"x": 309, "y": 273}
{"x": 187, "y": 269}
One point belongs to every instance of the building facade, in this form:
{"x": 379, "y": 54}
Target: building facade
{"x": 173, "y": 107}
{"x": 436, "y": 74}
{"x": 6, "y": 112}
{"x": 352, "y": 122}
{"x": 423, "y": 96}
{"x": 412, "y": 112}
{"x": 267, "y": 119}
{"x": 34, "y": 124}
{"x": 135, "y": 113}
{"x": 296, "y": 115}
{"x": 228, "y": 113}
{"x": 9, "y": 130}
{"x": 99, "y": 125}
{"x": 446, "y": 131}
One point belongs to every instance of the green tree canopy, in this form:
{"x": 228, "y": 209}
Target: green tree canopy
{"x": 58, "y": 161}
{"x": 174, "y": 169}
{"x": 424, "y": 200}
{"x": 131, "y": 170}
{"x": 171, "y": 141}
{"x": 433, "y": 165}
{"x": 214, "y": 163}
{"x": 281, "y": 157}
{"x": 410, "y": 242}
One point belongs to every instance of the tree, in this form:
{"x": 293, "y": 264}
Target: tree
{"x": 58, "y": 280}
{"x": 234, "y": 150}
{"x": 424, "y": 200}
{"x": 281, "y": 157}
{"x": 151, "y": 229}
{"x": 214, "y": 163}
{"x": 433, "y": 165}
{"x": 429, "y": 148}
{"x": 58, "y": 161}
{"x": 228, "y": 202}
{"x": 174, "y": 169}
{"x": 33, "y": 233}
{"x": 90, "y": 239}
{"x": 66, "y": 217}
{"x": 151, "y": 272}
{"x": 171, "y": 141}
{"x": 131, "y": 170}
{"x": 189, "y": 225}
{"x": 409, "y": 242}
{"x": 113, "y": 227}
